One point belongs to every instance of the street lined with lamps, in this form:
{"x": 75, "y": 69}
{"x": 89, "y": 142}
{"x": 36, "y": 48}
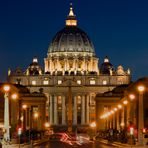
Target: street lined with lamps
{"x": 131, "y": 97}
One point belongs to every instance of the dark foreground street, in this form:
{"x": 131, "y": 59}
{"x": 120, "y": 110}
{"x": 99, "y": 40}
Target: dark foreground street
{"x": 57, "y": 144}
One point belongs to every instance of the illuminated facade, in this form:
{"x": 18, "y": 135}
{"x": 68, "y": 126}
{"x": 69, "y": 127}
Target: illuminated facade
{"x": 71, "y": 62}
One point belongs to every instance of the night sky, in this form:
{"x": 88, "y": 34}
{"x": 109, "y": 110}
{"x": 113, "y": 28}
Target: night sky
{"x": 117, "y": 28}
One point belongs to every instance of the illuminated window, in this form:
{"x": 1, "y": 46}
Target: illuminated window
{"x": 60, "y": 108}
{"x": 92, "y": 82}
{"x": 45, "y": 82}
{"x": 104, "y": 82}
{"x": 79, "y": 100}
{"x": 78, "y": 81}
{"x": 59, "y": 81}
{"x": 33, "y": 82}
{"x": 92, "y": 100}
{"x": 79, "y": 108}
{"x": 120, "y": 82}
{"x": 59, "y": 100}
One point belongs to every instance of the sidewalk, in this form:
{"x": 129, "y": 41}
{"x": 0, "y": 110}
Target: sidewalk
{"x": 121, "y": 145}
{"x": 26, "y": 145}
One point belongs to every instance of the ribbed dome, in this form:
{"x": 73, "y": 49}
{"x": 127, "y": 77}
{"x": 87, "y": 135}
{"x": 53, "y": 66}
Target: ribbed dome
{"x": 71, "y": 39}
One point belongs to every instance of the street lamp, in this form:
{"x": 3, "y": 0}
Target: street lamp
{"x": 6, "y": 89}
{"x": 47, "y": 125}
{"x": 132, "y": 97}
{"x": 141, "y": 89}
{"x": 115, "y": 109}
{"x": 36, "y": 115}
{"x": 119, "y": 106}
{"x": 14, "y": 96}
{"x": 19, "y": 134}
{"x": 93, "y": 126}
{"x": 125, "y": 102}
{"x": 24, "y": 107}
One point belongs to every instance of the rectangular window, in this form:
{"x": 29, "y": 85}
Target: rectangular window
{"x": 78, "y": 81}
{"x": 59, "y": 81}
{"x": 104, "y": 82}
{"x": 92, "y": 82}
{"x": 33, "y": 82}
{"x": 59, "y": 100}
{"x": 45, "y": 82}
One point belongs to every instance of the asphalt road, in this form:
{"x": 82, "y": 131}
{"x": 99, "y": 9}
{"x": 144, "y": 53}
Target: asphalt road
{"x": 57, "y": 144}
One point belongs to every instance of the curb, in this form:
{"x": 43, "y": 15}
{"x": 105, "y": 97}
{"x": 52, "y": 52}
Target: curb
{"x": 120, "y": 145}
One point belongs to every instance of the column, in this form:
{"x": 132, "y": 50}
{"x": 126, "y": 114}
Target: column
{"x": 114, "y": 121}
{"x": 65, "y": 66}
{"x": 83, "y": 110}
{"x": 51, "y": 110}
{"x": 87, "y": 109}
{"x": 76, "y": 64}
{"x": 50, "y": 66}
{"x": 91, "y": 65}
{"x": 140, "y": 120}
{"x": 27, "y": 118}
{"x": 6, "y": 118}
{"x": 84, "y": 64}
{"x": 75, "y": 111}
{"x": 46, "y": 65}
{"x": 117, "y": 117}
{"x": 55, "y": 109}
{"x": 125, "y": 117}
{"x": 63, "y": 110}
{"x": 122, "y": 118}
{"x": 24, "y": 119}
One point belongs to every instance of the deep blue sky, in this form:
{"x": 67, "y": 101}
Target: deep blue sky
{"x": 118, "y": 28}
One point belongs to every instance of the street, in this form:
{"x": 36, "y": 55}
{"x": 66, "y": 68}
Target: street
{"x": 58, "y": 144}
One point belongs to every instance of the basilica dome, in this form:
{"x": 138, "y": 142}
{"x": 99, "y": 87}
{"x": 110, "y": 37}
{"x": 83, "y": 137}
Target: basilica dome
{"x": 71, "y": 51}
{"x": 71, "y": 38}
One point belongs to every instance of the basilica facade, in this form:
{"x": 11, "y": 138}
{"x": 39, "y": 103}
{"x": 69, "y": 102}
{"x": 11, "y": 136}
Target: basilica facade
{"x": 72, "y": 77}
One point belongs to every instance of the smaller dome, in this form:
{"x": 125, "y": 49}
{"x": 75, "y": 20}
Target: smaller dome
{"x": 106, "y": 67}
{"x": 120, "y": 70}
{"x": 120, "y": 67}
{"x": 34, "y": 68}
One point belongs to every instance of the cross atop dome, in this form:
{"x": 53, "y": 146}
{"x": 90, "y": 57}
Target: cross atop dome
{"x": 71, "y": 18}
{"x": 71, "y": 13}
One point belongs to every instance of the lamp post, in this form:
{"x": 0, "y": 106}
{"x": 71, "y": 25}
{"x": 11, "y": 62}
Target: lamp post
{"x": 36, "y": 115}
{"x": 141, "y": 89}
{"x": 14, "y": 96}
{"x": 47, "y": 125}
{"x": 6, "y": 89}
{"x": 19, "y": 134}
{"x": 131, "y": 114}
{"x": 93, "y": 126}
{"x": 24, "y": 107}
{"x": 125, "y": 102}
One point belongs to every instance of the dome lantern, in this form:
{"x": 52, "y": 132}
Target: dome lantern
{"x": 106, "y": 60}
{"x": 71, "y": 18}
